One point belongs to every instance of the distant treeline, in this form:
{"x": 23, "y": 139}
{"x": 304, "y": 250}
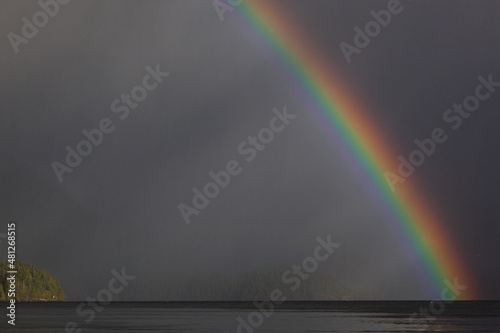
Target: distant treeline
{"x": 32, "y": 284}
{"x": 255, "y": 285}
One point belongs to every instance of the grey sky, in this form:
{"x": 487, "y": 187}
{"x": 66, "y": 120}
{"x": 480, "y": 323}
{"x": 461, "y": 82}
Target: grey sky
{"x": 120, "y": 206}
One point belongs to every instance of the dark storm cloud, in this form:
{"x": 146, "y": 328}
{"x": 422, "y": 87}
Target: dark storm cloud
{"x": 120, "y": 206}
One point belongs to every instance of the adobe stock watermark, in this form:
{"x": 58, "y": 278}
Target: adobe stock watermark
{"x": 454, "y": 117}
{"x": 293, "y": 278}
{"x": 223, "y": 6}
{"x": 249, "y": 148}
{"x": 103, "y": 297}
{"x": 120, "y": 106}
{"x": 30, "y": 28}
{"x": 373, "y": 28}
{"x": 448, "y": 294}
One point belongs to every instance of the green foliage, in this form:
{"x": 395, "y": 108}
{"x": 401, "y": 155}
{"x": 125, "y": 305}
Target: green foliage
{"x": 31, "y": 283}
{"x": 2, "y": 293}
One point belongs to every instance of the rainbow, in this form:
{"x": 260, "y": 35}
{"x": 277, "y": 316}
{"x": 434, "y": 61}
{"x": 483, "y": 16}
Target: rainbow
{"x": 423, "y": 230}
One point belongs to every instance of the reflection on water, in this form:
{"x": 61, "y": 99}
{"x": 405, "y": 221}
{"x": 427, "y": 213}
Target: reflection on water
{"x": 246, "y": 318}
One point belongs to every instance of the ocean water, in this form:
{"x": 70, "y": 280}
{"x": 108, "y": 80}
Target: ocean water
{"x": 245, "y": 317}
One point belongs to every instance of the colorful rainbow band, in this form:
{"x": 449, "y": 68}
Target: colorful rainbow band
{"x": 338, "y": 108}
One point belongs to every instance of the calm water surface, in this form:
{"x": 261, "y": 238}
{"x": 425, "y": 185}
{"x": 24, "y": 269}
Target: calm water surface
{"x": 245, "y": 317}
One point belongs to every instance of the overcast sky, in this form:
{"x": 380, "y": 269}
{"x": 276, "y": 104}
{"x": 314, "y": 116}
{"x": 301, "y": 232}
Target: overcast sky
{"x": 120, "y": 206}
